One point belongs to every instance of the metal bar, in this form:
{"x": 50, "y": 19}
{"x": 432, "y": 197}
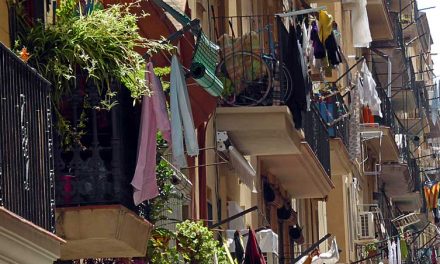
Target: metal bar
{"x": 367, "y": 258}
{"x": 229, "y": 219}
{"x": 311, "y": 248}
{"x": 180, "y": 17}
{"x": 301, "y": 12}
{"x": 419, "y": 233}
{"x": 347, "y": 71}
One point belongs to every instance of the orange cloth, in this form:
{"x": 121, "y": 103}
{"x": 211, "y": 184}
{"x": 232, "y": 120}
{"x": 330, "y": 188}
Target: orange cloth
{"x": 367, "y": 115}
{"x": 431, "y": 195}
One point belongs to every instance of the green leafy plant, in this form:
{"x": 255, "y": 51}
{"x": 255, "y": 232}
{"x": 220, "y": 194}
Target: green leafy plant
{"x": 98, "y": 43}
{"x": 197, "y": 244}
{"x": 194, "y": 244}
{"x": 102, "y": 43}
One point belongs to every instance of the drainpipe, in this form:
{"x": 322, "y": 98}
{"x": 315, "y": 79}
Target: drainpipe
{"x": 203, "y": 203}
{"x": 390, "y": 77}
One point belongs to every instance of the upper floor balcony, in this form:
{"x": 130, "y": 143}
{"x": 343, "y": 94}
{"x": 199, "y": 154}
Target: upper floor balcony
{"x": 27, "y": 194}
{"x": 94, "y": 166}
{"x": 260, "y": 107}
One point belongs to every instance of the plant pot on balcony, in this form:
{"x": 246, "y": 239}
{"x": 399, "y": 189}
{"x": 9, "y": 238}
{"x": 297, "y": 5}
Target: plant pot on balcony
{"x": 101, "y": 231}
{"x": 271, "y": 196}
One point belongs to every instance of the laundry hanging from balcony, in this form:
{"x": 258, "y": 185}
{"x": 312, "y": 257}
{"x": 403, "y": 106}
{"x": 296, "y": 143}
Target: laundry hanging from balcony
{"x": 154, "y": 117}
{"x": 367, "y": 90}
{"x": 182, "y": 124}
{"x": 359, "y": 23}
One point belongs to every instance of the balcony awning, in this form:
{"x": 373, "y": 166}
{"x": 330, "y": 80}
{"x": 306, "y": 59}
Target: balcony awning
{"x": 380, "y": 23}
{"x": 302, "y": 176}
{"x": 263, "y": 130}
{"x": 383, "y": 144}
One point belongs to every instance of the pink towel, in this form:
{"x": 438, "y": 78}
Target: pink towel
{"x": 154, "y": 116}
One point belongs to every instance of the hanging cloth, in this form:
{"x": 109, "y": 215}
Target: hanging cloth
{"x": 333, "y": 51}
{"x": 398, "y": 252}
{"x": 253, "y": 253}
{"x": 325, "y": 25}
{"x": 239, "y": 251}
{"x": 360, "y": 25}
{"x": 431, "y": 196}
{"x": 390, "y": 252}
{"x": 403, "y": 249}
{"x": 295, "y": 64}
{"x": 182, "y": 124}
{"x": 154, "y": 117}
{"x": 369, "y": 95}
{"x": 318, "y": 47}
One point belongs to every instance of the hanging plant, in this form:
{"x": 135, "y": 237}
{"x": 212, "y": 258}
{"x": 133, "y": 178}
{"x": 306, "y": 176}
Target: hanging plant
{"x": 101, "y": 42}
{"x": 89, "y": 40}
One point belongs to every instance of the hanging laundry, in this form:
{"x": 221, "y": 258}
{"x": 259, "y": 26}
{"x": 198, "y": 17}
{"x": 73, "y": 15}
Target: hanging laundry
{"x": 332, "y": 47}
{"x": 154, "y": 117}
{"x": 295, "y": 64}
{"x": 239, "y": 251}
{"x": 403, "y": 248}
{"x": 398, "y": 252}
{"x": 182, "y": 124}
{"x": 253, "y": 253}
{"x": 318, "y": 47}
{"x": 360, "y": 25}
{"x": 390, "y": 252}
{"x": 367, "y": 91}
{"x": 431, "y": 191}
{"x": 325, "y": 25}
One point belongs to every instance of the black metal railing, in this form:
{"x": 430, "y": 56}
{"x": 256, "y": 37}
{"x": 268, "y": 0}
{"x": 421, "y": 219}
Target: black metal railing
{"x": 26, "y": 159}
{"x": 97, "y": 168}
{"x": 341, "y": 119}
{"x": 250, "y": 64}
{"x": 317, "y": 136}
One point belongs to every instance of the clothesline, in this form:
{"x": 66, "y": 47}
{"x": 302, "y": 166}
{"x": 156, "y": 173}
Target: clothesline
{"x": 301, "y": 12}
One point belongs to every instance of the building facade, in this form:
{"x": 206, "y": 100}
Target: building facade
{"x": 298, "y": 145}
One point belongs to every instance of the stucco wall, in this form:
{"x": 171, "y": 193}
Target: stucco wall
{"x": 4, "y": 23}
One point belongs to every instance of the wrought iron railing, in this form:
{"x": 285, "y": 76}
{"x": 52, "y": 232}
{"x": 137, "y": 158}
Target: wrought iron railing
{"x": 96, "y": 168}
{"x": 26, "y": 159}
{"x": 341, "y": 119}
{"x": 317, "y": 136}
{"x": 250, "y": 64}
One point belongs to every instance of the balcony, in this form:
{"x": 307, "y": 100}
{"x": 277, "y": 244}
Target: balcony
{"x": 380, "y": 23}
{"x": 260, "y": 130}
{"x": 304, "y": 175}
{"x": 380, "y": 140}
{"x": 26, "y": 165}
{"x": 93, "y": 174}
{"x": 259, "y": 124}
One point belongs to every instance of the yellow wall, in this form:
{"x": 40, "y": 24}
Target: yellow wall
{"x": 4, "y": 23}
{"x": 337, "y": 215}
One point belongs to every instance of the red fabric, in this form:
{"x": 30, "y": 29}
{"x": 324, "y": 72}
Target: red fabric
{"x": 253, "y": 253}
{"x": 367, "y": 115}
